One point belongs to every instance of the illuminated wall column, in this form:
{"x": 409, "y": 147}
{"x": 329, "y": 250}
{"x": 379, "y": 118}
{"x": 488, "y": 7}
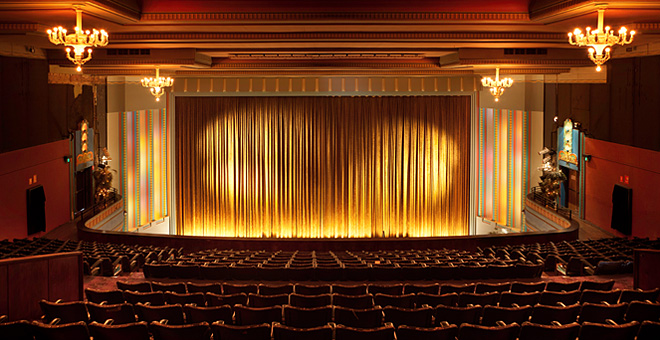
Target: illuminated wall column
{"x": 503, "y": 165}
{"x": 144, "y": 167}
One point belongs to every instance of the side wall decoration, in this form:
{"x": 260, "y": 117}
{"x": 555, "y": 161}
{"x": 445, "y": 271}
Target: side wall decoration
{"x": 144, "y": 157}
{"x": 503, "y": 166}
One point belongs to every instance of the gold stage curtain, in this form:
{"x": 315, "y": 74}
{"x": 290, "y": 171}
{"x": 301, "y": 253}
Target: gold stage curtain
{"x": 322, "y": 166}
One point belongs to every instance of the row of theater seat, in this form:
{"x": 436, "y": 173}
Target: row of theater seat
{"x": 504, "y": 299}
{"x": 23, "y": 330}
{"x": 375, "y": 316}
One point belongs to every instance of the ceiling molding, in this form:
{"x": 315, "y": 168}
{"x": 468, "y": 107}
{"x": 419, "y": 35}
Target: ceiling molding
{"x": 532, "y": 62}
{"x": 329, "y": 55}
{"x": 115, "y": 11}
{"x": 556, "y": 11}
{"x": 534, "y": 70}
{"x": 318, "y": 72}
{"x": 75, "y": 79}
{"x": 337, "y": 16}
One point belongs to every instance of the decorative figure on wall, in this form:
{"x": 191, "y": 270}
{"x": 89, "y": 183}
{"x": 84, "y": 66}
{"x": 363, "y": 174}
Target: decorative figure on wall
{"x": 103, "y": 177}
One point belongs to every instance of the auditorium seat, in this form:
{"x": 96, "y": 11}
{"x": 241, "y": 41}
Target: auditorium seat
{"x": 360, "y": 318}
{"x": 197, "y": 299}
{"x": 486, "y": 299}
{"x": 121, "y": 313}
{"x": 642, "y": 310}
{"x": 213, "y": 299}
{"x": 132, "y": 331}
{"x": 546, "y": 315}
{"x": 533, "y": 331}
{"x": 111, "y": 297}
{"x": 144, "y": 287}
{"x": 554, "y": 298}
{"x": 630, "y": 295}
{"x": 307, "y": 317}
{"x": 600, "y": 313}
{"x": 66, "y": 331}
{"x": 257, "y": 315}
{"x": 175, "y": 287}
{"x": 389, "y": 289}
{"x": 385, "y": 332}
{"x": 600, "y": 296}
{"x": 649, "y": 330}
{"x": 256, "y": 300}
{"x": 282, "y": 332}
{"x": 275, "y": 289}
{"x": 172, "y": 313}
{"x": 527, "y": 287}
{"x": 417, "y": 317}
{"x": 457, "y": 315}
{"x": 204, "y": 287}
{"x": 151, "y": 298}
{"x": 597, "y": 285}
{"x": 405, "y": 332}
{"x": 360, "y": 289}
{"x": 64, "y": 312}
{"x": 222, "y": 331}
{"x": 457, "y": 288}
{"x": 508, "y": 299}
{"x": 303, "y": 289}
{"x": 185, "y": 271}
{"x": 229, "y": 288}
{"x": 17, "y": 330}
{"x": 555, "y": 286}
{"x": 483, "y": 287}
{"x": 600, "y": 331}
{"x": 449, "y": 299}
{"x": 494, "y": 314}
{"x": 478, "y": 332}
{"x": 167, "y": 331}
{"x": 156, "y": 270}
{"x": 411, "y": 288}
{"x": 197, "y": 314}
{"x": 401, "y": 301}
{"x": 353, "y": 301}
{"x": 310, "y": 301}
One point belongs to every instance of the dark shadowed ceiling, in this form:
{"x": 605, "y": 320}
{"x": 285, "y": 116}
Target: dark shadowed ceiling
{"x": 222, "y": 37}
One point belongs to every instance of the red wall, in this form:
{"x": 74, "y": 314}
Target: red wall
{"x": 609, "y": 162}
{"x": 46, "y": 161}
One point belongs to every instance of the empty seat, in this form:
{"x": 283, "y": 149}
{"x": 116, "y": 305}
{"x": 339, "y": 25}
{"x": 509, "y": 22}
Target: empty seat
{"x": 172, "y": 313}
{"x": 630, "y": 295}
{"x": 157, "y": 270}
{"x": 67, "y": 331}
{"x": 307, "y": 317}
{"x": 562, "y": 286}
{"x": 230, "y": 289}
{"x": 213, "y": 299}
{"x": 176, "y": 287}
{"x": 600, "y": 313}
{"x": 417, "y": 317}
{"x": 245, "y": 332}
{"x": 546, "y": 315}
{"x": 508, "y": 299}
{"x": 302, "y": 289}
{"x": 552, "y": 298}
{"x": 196, "y": 299}
{"x": 120, "y": 313}
{"x": 451, "y": 288}
{"x": 597, "y": 285}
{"x": 394, "y": 289}
{"x": 66, "y": 312}
{"x": 448, "y": 332}
{"x": 111, "y": 297}
{"x": 411, "y": 288}
{"x": 151, "y": 298}
{"x": 204, "y": 287}
{"x": 449, "y": 299}
{"x": 349, "y": 289}
{"x": 527, "y": 287}
{"x": 483, "y": 287}
{"x": 310, "y": 301}
{"x": 275, "y": 289}
{"x": 486, "y": 299}
{"x": 477, "y": 332}
{"x": 166, "y": 331}
{"x": 132, "y": 331}
{"x": 349, "y": 333}
{"x": 649, "y": 330}
{"x": 360, "y": 318}
{"x": 494, "y": 314}
{"x": 353, "y": 301}
{"x": 600, "y": 296}
{"x": 642, "y": 311}
{"x": 534, "y": 331}
{"x": 457, "y": 315}
{"x": 256, "y": 300}
{"x": 402, "y": 301}
{"x": 17, "y": 330}
{"x": 136, "y": 286}
{"x": 599, "y": 331}
{"x": 257, "y": 315}
{"x": 197, "y": 314}
{"x": 282, "y": 332}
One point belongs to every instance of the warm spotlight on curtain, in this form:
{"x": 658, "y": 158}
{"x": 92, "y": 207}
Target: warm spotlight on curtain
{"x": 322, "y": 166}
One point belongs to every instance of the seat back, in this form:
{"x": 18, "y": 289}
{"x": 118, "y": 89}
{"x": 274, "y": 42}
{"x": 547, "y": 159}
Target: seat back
{"x": 213, "y": 299}
{"x": 451, "y": 288}
{"x": 197, "y": 314}
{"x": 493, "y": 314}
{"x": 508, "y": 299}
{"x": 600, "y": 296}
{"x": 484, "y": 287}
{"x": 402, "y": 301}
{"x": 247, "y": 332}
{"x": 153, "y": 298}
{"x": 349, "y": 333}
{"x": 358, "y": 318}
{"x": 527, "y": 287}
{"x": 121, "y": 313}
{"x": 110, "y": 297}
{"x": 457, "y": 315}
{"x": 353, "y": 301}
{"x": 599, "y": 331}
{"x": 176, "y": 287}
{"x": 562, "y": 286}
{"x": 649, "y": 330}
{"x": 195, "y": 331}
{"x": 275, "y": 289}
{"x": 257, "y": 315}
{"x": 533, "y": 331}
{"x": 349, "y": 289}
{"x": 477, "y": 332}
{"x": 600, "y": 313}
{"x": 418, "y": 317}
{"x": 230, "y": 289}
{"x": 545, "y": 315}
{"x": 67, "y": 331}
{"x": 132, "y": 331}
{"x": 404, "y": 332}
{"x": 172, "y": 313}
{"x": 310, "y": 301}
{"x": 597, "y": 285}
{"x": 17, "y": 330}
{"x": 282, "y": 332}
{"x": 135, "y": 287}
{"x": 257, "y": 300}
{"x": 204, "y": 287}
{"x": 302, "y": 289}
{"x": 197, "y": 299}
{"x": 307, "y": 317}
{"x": 553, "y": 298}
{"x": 411, "y": 288}
{"x": 630, "y": 295}
{"x": 486, "y": 299}
{"x": 449, "y": 299}
{"x": 67, "y": 312}
{"x": 394, "y": 289}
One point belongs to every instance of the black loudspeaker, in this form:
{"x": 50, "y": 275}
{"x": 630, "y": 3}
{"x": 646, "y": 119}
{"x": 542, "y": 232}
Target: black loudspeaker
{"x": 622, "y": 209}
{"x": 36, "y": 210}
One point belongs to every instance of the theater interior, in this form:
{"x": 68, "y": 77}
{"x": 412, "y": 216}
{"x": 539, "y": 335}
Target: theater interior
{"x": 287, "y": 169}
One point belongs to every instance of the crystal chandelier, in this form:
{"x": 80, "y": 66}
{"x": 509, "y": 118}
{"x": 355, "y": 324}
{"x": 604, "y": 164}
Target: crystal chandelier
{"x": 77, "y": 43}
{"x": 157, "y": 85}
{"x": 498, "y": 85}
{"x": 600, "y": 40}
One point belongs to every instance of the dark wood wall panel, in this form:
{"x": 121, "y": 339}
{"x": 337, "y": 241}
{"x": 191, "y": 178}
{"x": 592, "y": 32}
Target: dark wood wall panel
{"x": 4, "y": 304}
{"x": 27, "y": 284}
{"x": 64, "y": 276}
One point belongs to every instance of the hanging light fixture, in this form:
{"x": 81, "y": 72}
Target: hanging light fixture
{"x": 600, "y": 40}
{"x": 157, "y": 85}
{"x": 78, "y": 42}
{"x": 498, "y": 85}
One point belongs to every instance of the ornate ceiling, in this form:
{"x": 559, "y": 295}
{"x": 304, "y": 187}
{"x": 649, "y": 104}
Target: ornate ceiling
{"x": 250, "y": 37}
